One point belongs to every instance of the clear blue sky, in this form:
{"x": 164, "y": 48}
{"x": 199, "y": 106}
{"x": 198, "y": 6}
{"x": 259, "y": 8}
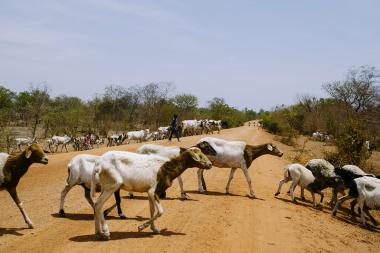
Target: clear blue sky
{"x": 255, "y": 54}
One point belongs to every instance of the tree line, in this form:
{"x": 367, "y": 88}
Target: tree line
{"x": 117, "y": 109}
{"x": 350, "y": 114}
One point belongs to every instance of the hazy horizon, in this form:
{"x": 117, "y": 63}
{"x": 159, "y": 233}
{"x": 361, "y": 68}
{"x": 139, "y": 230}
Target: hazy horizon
{"x": 255, "y": 54}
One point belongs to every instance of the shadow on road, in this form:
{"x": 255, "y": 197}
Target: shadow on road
{"x": 88, "y": 216}
{"x": 11, "y": 231}
{"x": 124, "y": 235}
{"x": 167, "y": 198}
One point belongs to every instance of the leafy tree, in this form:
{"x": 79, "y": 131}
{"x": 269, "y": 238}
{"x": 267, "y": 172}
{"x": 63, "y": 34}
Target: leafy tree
{"x": 186, "y": 105}
{"x": 359, "y": 90}
{"x": 7, "y": 100}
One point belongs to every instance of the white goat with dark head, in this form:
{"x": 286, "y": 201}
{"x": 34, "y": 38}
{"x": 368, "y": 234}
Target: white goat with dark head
{"x": 140, "y": 173}
{"x": 174, "y": 151}
{"x": 235, "y": 154}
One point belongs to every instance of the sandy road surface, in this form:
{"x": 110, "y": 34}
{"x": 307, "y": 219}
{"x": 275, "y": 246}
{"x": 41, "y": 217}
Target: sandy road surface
{"x": 212, "y": 222}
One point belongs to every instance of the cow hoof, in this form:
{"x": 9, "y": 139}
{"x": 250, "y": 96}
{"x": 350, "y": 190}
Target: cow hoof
{"x": 276, "y": 194}
{"x": 141, "y": 228}
{"x": 62, "y": 213}
{"x": 122, "y": 216}
{"x": 156, "y": 230}
{"x": 103, "y": 236}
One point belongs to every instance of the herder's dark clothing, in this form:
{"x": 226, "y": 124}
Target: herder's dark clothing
{"x": 173, "y": 129}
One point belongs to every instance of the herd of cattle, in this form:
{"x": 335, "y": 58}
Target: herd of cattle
{"x": 152, "y": 169}
{"x": 79, "y": 143}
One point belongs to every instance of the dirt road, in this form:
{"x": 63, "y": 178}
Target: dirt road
{"x": 212, "y": 222}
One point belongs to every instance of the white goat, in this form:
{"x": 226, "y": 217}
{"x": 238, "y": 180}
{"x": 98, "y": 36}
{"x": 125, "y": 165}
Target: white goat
{"x": 235, "y": 154}
{"x": 366, "y": 190}
{"x": 299, "y": 175}
{"x": 140, "y": 173}
{"x": 166, "y": 152}
{"x": 80, "y": 169}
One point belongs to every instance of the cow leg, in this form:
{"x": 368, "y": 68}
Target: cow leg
{"x": 183, "y": 193}
{"x": 63, "y": 196}
{"x": 200, "y": 186}
{"x": 118, "y": 201}
{"x": 101, "y": 227}
{"x": 249, "y": 181}
{"x": 12, "y": 191}
{"x": 160, "y": 210}
{"x": 232, "y": 172}
{"x": 87, "y": 195}
{"x": 340, "y": 202}
{"x": 374, "y": 222}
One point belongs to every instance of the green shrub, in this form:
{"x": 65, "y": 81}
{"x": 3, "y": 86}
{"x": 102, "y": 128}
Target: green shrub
{"x": 351, "y": 146}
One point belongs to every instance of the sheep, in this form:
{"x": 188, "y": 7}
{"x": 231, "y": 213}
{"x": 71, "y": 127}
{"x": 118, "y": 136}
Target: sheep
{"x": 299, "y": 175}
{"x": 140, "y": 173}
{"x": 325, "y": 176}
{"x": 13, "y": 167}
{"x": 235, "y": 154}
{"x": 349, "y": 173}
{"x": 366, "y": 190}
{"x": 80, "y": 169}
{"x": 173, "y": 151}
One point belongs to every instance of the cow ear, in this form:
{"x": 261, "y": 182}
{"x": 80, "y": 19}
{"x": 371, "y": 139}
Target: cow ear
{"x": 28, "y": 153}
{"x": 269, "y": 146}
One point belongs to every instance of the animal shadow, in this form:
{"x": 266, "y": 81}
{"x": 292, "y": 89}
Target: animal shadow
{"x": 11, "y": 231}
{"x": 124, "y": 235}
{"x": 299, "y": 202}
{"x": 214, "y": 193}
{"x": 166, "y": 198}
{"x": 88, "y": 216}
{"x": 348, "y": 220}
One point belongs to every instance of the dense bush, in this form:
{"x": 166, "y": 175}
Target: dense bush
{"x": 351, "y": 144}
{"x": 351, "y": 115}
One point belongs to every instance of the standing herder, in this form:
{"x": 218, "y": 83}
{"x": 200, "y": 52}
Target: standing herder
{"x": 174, "y": 128}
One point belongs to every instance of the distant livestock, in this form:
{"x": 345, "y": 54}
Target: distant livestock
{"x": 61, "y": 140}
{"x": 20, "y": 141}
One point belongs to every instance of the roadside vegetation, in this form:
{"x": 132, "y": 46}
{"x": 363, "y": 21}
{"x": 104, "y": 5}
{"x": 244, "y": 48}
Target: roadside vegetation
{"x": 117, "y": 109}
{"x": 349, "y": 116}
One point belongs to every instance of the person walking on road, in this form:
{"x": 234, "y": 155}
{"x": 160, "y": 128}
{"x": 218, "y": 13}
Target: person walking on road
{"x": 174, "y": 128}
